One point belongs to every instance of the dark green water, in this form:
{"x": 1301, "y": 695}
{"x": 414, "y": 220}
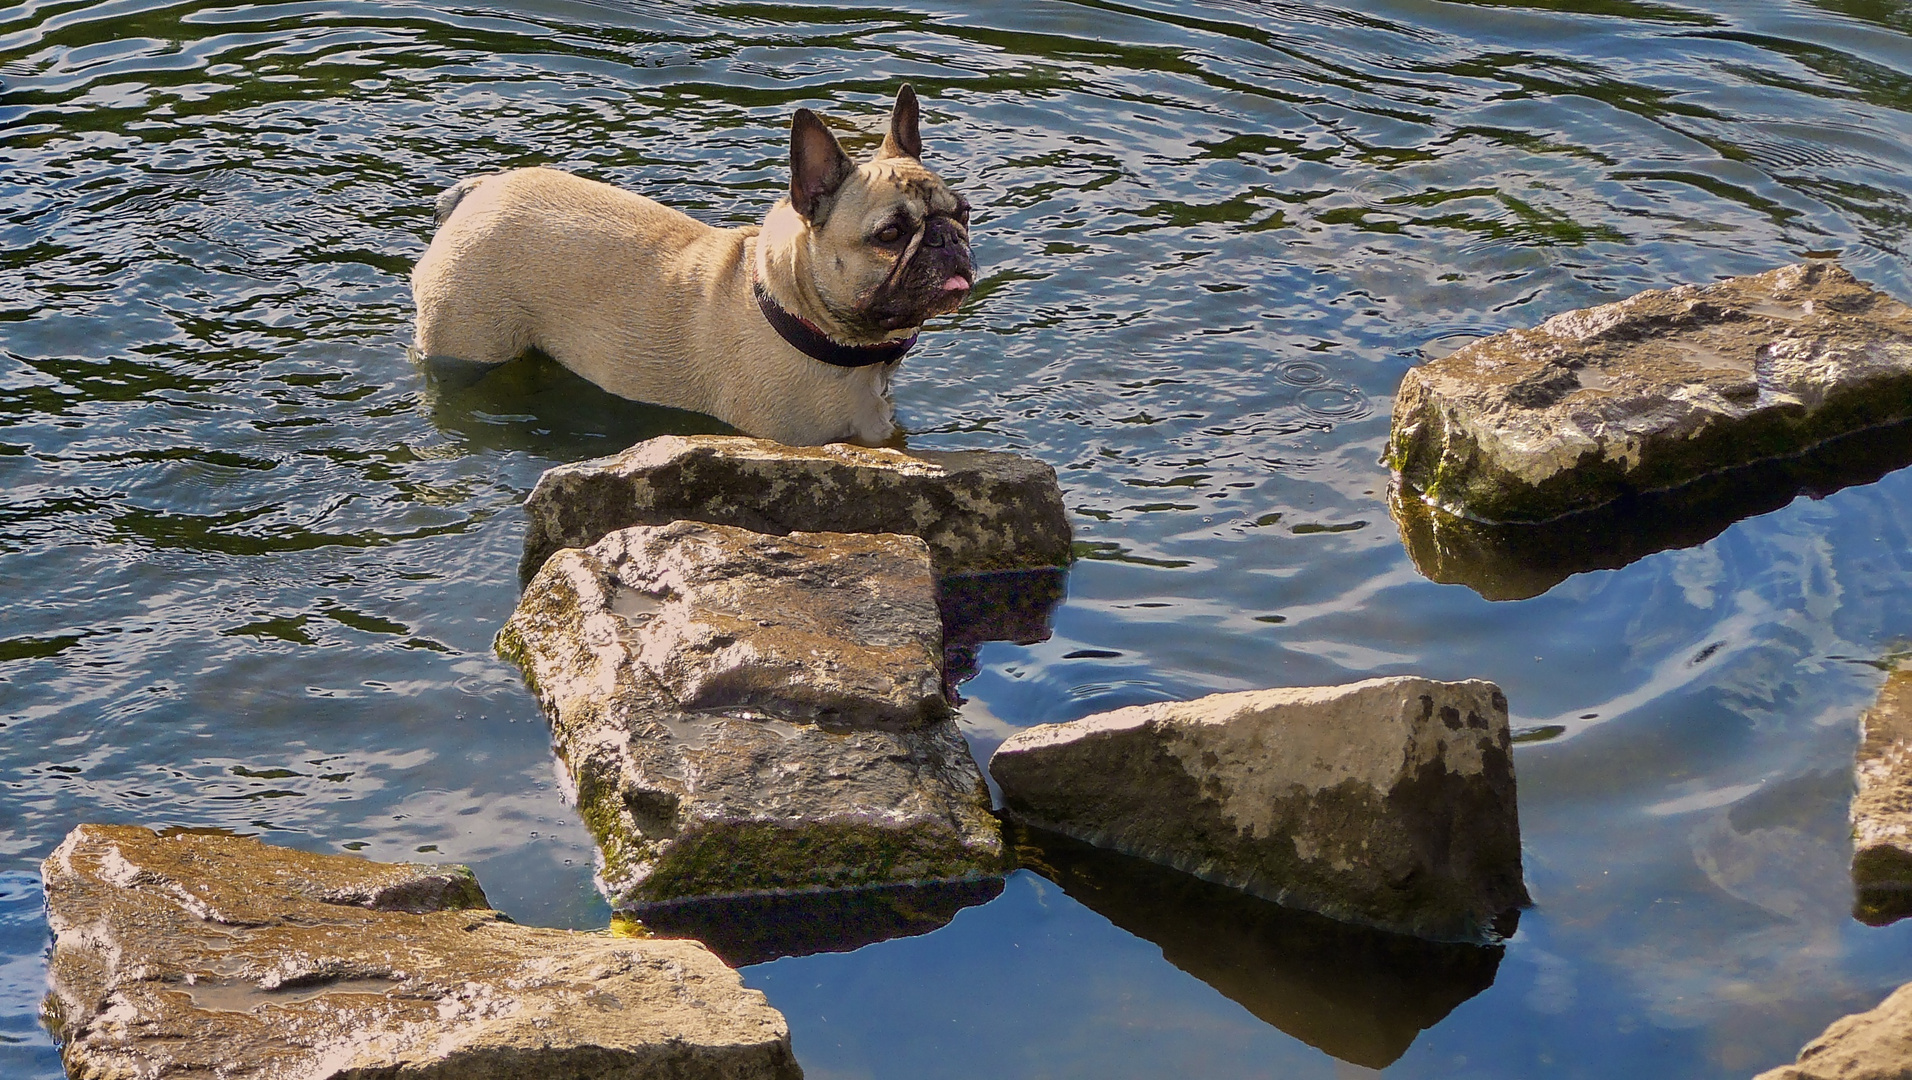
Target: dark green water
{"x": 252, "y": 564}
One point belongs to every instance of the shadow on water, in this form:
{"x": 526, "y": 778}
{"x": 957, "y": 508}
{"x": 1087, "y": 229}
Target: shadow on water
{"x": 757, "y": 929}
{"x": 1359, "y": 994}
{"x": 1016, "y": 605}
{"x": 535, "y": 404}
{"x": 23, "y": 937}
{"x": 1518, "y": 561}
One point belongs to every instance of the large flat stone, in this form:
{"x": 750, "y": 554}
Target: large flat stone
{"x": 1873, "y": 1045}
{"x": 1651, "y": 393}
{"x": 1882, "y": 806}
{"x": 1388, "y": 802}
{"x": 747, "y": 714}
{"x": 195, "y": 955}
{"x": 979, "y": 511}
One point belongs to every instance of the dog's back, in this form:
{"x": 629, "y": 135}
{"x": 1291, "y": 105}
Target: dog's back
{"x": 604, "y": 280}
{"x": 449, "y": 198}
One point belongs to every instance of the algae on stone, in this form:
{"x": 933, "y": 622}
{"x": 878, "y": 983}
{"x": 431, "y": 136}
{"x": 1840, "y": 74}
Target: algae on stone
{"x": 1388, "y": 802}
{"x": 1651, "y": 393}
{"x": 202, "y": 955}
{"x": 745, "y": 714}
{"x": 1517, "y": 560}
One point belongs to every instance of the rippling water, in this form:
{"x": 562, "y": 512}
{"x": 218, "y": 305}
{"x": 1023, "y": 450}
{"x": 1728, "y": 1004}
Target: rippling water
{"x": 252, "y": 563}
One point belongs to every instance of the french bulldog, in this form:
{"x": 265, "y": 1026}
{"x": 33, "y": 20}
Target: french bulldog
{"x": 790, "y": 330}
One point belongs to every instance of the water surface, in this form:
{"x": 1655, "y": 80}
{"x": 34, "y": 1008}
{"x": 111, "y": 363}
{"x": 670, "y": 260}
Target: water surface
{"x": 252, "y": 562}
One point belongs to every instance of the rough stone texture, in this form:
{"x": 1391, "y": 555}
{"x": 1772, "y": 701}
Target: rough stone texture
{"x": 746, "y": 714}
{"x": 978, "y": 511}
{"x": 1388, "y": 802}
{"x": 197, "y": 955}
{"x": 1875, "y": 1045}
{"x": 1651, "y": 393}
{"x": 1882, "y": 807}
{"x": 1514, "y": 561}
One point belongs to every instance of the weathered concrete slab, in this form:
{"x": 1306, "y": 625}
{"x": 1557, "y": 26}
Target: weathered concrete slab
{"x": 195, "y": 955}
{"x": 1388, "y": 802}
{"x": 1356, "y": 993}
{"x": 746, "y": 714}
{"x": 1882, "y": 807}
{"x": 979, "y": 511}
{"x": 1874, "y": 1045}
{"x": 1651, "y": 393}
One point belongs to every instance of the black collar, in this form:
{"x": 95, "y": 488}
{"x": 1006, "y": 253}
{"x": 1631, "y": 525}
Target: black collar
{"x": 818, "y": 345}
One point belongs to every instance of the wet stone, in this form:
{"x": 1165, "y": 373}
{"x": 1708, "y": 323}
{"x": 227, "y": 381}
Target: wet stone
{"x": 1651, "y": 393}
{"x": 979, "y": 511}
{"x": 1882, "y": 807}
{"x": 1517, "y": 560}
{"x": 1873, "y": 1045}
{"x": 1388, "y": 803}
{"x": 747, "y": 714}
{"x": 193, "y": 954}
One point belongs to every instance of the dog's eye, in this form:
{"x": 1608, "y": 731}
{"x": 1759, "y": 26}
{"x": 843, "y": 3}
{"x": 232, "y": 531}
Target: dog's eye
{"x": 889, "y": 234}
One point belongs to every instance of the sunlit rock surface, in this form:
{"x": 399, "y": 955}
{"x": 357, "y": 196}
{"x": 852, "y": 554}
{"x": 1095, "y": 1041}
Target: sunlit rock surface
{"x": 1874, "y": 1045}
{"x": 1882, "y": 807}
{"x": 979, "y": 511}
{"x": 1651, "y": 393}
{"x": 1356, "y": 993}
{"x": 1388, "y": 802}
{"x": 196, "y": 955}
{"x": 746, "y": 714}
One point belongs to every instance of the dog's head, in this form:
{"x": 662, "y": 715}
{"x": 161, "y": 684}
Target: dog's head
{"x": 888, "y": 241}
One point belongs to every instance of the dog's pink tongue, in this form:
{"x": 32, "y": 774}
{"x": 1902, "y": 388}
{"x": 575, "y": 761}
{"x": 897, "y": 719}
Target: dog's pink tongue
{"x": 956, "y": 283}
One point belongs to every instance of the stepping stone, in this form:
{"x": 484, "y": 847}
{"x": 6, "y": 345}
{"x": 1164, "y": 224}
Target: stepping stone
{"x": 191, "y": 954}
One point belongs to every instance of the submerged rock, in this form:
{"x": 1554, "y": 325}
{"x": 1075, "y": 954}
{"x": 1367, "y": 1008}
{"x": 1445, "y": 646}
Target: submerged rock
{"x": 1882, "y": 807}
{"x": 1353, "y": 992}
{"x": 979, "y": 511}
{"x": 209, "y": 955}
{"x": 748, "y": 714}
{"x": 1875, "y": 1045}
{"x": 1651, "y": 393}
{"x": 1388, "y": 802}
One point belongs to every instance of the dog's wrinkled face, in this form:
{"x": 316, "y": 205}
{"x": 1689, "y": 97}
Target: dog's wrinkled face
{"x": 888, "y": 240}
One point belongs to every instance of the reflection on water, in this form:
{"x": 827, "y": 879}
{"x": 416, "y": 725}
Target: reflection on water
{"x": 1013, "y": 606}
{"x": 254, "y": 559}
{"x": 1361, "y": 995}
{"x": 757, "y": 929}
{"x": 1518, "y": 561}
{"x": 536, "y": 404}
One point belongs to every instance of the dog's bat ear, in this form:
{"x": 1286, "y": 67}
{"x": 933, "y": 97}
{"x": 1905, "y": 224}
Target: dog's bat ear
{"x": 904, "y": 140}
{"x": 818, "y": 166}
